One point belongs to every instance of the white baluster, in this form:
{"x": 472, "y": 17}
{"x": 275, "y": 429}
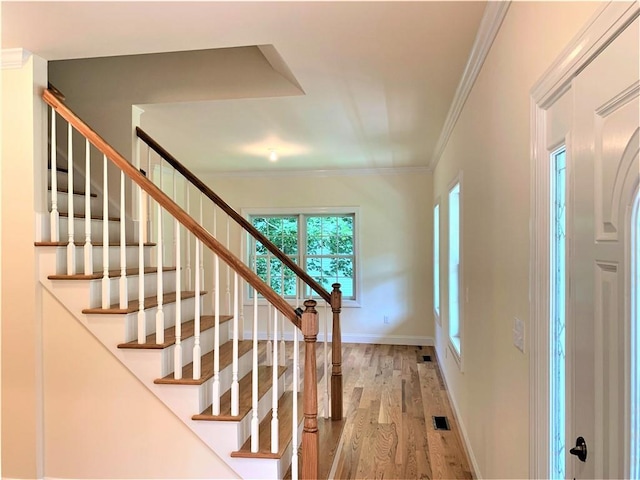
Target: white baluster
{"x": 214, "y": 294}
{"x": 177, "y": 352}
{"x": 159, "y": 284}
{"x": 106, "y": 286}
{"x": 235, "y": 387}
{"x": 215, "y": 397}
{"x": 88, "y": 248}
{"x": 274, "y": 388}
{"x": 148, "y": 204}
{"x": 187, "y": 268}
{"x": 255, "y": 423}
{"x": 201, "y": 266}
{"x": 283, "y": 352}
{"x": 71, "y": 246}
{"x": 228, "y": 272}
{"x": 269, "y": 316}
{"x": 197, "y": 361}
{"x": 294, "y": 420}
{"x": 124, "y": 296}
{"x": 142, "y": 322}
{"x": 55, "y": 215}
{"x": 326, "y": 363}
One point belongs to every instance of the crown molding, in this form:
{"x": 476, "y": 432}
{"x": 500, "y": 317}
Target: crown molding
{"x": 14, "y": 57}
{"x": 347, "y": 172}
{"x": 611, "y": 19}
{"x": 494, "y": 14}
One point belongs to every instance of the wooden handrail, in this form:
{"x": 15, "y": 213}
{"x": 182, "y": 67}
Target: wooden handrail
{"x": 200, "y": 185}
{"x": 173, "y": 208}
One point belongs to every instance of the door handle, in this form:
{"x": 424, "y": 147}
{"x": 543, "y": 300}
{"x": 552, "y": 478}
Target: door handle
{"x": 580, "y": 450}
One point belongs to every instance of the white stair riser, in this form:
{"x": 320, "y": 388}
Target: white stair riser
{"x": 187, "y": 399}
{"x": 131, "y": 258}
{"x": 241, "y": 430}
{"x": 206, "y": 345}
{"x": 78, "y": 204}
{"x": 62, "y": 178}
{"x": 96, "y": 230}
{"x": 169, "y": 309}
{"x": 150, "y": 287}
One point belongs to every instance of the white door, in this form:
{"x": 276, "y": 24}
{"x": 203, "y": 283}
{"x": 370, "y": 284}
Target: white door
{"x": 602, "y": 181}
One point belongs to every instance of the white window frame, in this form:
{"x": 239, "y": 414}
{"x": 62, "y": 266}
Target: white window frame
{"x": 437, "y": 308}
{"x": 355, "y": 211}
{"x": 455, "y": 342}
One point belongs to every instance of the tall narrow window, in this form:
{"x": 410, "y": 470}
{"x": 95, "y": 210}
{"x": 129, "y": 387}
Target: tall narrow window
{"x": 454, "y": 267}
{"x": 557, "y": 315}
{"x": 634, "y": 430}
{"x": 436, "y": 260}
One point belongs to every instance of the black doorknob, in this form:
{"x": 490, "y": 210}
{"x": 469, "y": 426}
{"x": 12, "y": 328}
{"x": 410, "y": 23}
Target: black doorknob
{"x": 580, "y": 450}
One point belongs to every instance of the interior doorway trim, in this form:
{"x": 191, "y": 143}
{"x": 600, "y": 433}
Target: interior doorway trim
{"x": 600, "y": 30}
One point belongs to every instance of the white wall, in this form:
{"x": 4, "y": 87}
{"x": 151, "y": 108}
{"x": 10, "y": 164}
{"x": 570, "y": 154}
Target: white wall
{"x": 22, "y": 156}
{"x": 101, "y": 422}
{"x": 490, "y": 145}
{"x": 394, "y": 241}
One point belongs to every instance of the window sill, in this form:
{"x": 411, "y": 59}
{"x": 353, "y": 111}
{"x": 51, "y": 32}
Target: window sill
{"x": 454, "y": 347}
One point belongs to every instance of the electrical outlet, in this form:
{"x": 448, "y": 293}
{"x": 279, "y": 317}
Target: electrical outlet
{"x": 385, "y": 319}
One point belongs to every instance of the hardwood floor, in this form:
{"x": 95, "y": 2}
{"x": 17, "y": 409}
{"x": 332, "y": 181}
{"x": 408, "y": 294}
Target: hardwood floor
{"x": 390, "y": 397}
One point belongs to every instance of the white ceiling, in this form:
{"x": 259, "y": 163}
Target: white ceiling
{"x": 378, "y": 77}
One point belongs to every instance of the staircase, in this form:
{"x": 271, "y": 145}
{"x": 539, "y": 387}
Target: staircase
{"x": 166, "y": 297}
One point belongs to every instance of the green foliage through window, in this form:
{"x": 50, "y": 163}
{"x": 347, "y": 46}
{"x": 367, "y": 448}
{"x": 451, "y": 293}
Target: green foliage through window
{"x": 324, "y": 244}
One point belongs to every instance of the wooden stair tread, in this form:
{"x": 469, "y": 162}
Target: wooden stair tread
{"x": 206, "y": 367}
{"x": 149, "y": 302}
{"x": 188, "y": 328}
{"x": 265, "y": 378}
{"x": 58, "y": 168}
{"x": 80, "y": 243}
{"x": 285, "y": 413}
{"x": 112, "y": 274}
{"x": 93, "y": 217}
{"x": 78, "y": 192}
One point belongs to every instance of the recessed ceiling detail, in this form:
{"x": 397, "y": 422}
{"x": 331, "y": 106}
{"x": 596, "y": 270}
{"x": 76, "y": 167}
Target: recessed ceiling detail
{"x": 354, "y": 85}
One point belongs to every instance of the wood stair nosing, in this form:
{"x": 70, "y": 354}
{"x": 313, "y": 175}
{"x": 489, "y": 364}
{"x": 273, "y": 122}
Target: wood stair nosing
{"x": 58, "y": 168}
{"x": 285, "y": 415}
{"x": 149, "y": 302}
{"x": 80, "y": 243}
{"x": 78, "y": 193}
{"x": 206, "y": 322}
{"x": 206, "y": 367}
{"x": 130, "y": 272}
{"x": 93, "y": 217}
{"x": 265, "y": 380}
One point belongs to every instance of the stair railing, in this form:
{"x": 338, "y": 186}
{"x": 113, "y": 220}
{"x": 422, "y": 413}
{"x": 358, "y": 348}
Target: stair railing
{"x": 333, "y": 298}
{"x": 194, "y": 232}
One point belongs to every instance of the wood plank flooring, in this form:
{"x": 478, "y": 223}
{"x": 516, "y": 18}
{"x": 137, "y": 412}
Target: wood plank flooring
{"x": 390, "y": 397}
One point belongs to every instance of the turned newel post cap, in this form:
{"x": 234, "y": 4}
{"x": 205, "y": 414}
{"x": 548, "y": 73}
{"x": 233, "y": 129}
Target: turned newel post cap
{"x": 310, "y": 306}
{"x": 336, "y": 298}
{"x": 310, "y": 320}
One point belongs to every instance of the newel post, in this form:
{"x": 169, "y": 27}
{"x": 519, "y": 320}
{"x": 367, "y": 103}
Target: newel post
{"x": 336, "y": 354}
{"x": 310, "y": 399}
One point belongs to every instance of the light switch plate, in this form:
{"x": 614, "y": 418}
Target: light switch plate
{"x": 518, "y": 334}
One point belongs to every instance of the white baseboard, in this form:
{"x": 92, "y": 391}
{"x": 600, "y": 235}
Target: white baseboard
{"x": 456, "y": 412}
{"x": 360, "y": 338}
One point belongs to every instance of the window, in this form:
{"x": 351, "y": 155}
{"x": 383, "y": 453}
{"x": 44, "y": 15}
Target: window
{"x": 436, "y": 260}
{"x": 323, "y": 243}
{"x": 454, "y": 267}
{"x": 557, "y": 315}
